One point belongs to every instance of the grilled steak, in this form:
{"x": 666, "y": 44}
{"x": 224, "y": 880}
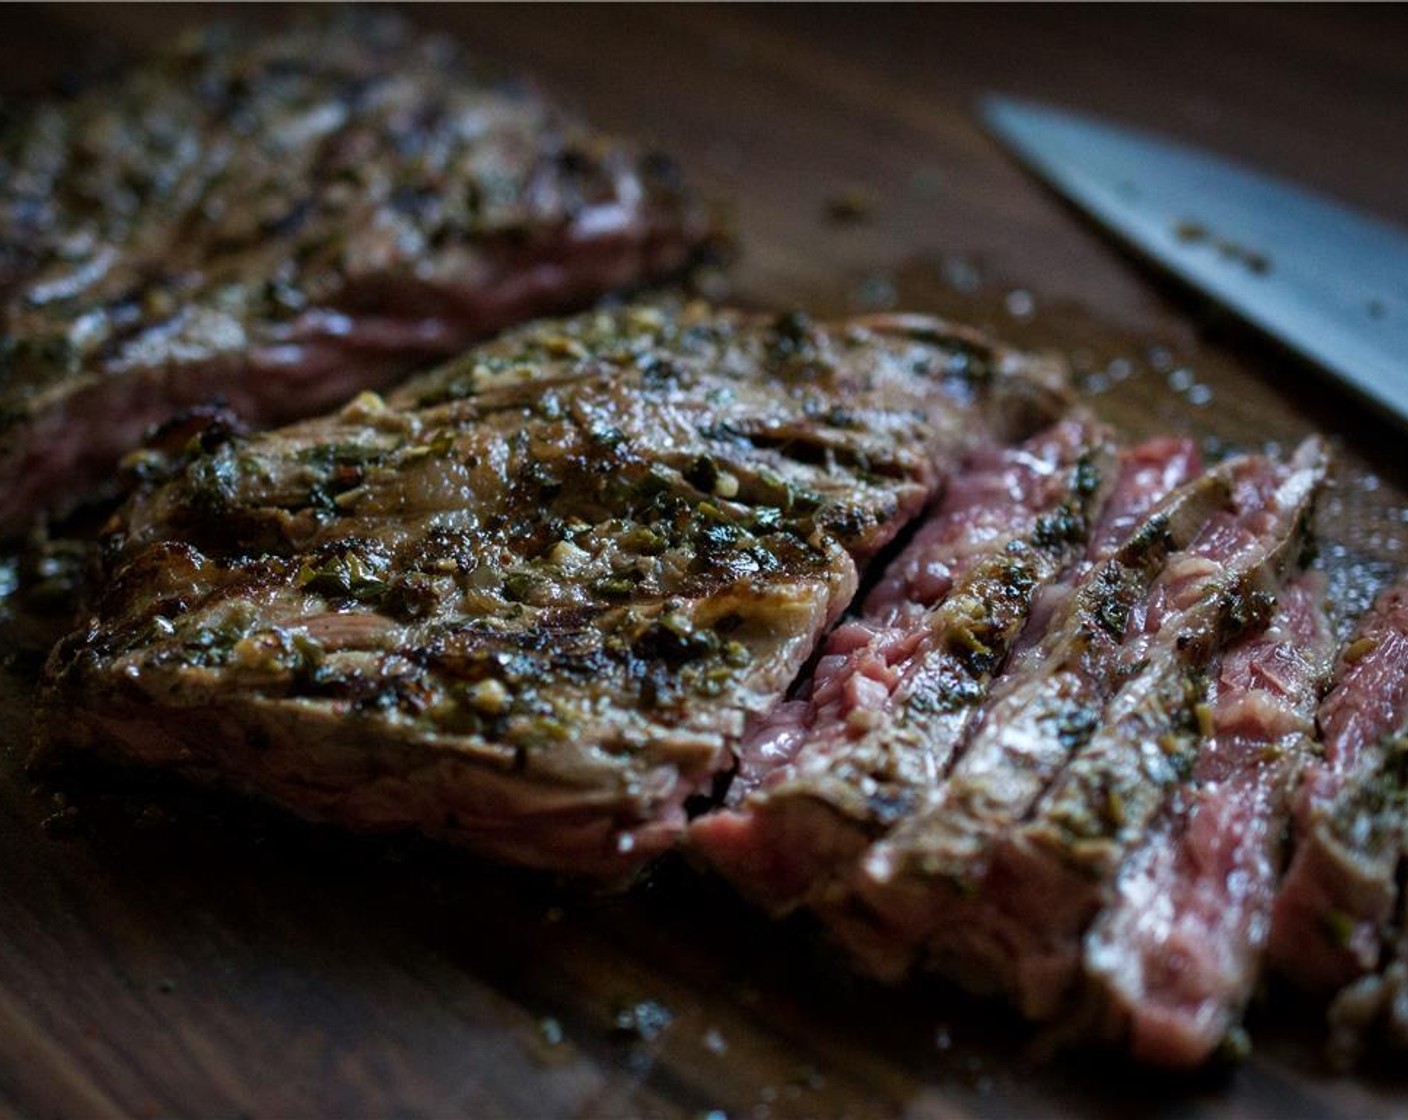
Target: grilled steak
{"x": 529, "y": 600}
{"x": 1339, "y": 892}
{"x": 1173, "y": 959}
{"x": 998, "y": 880}
{"x": 279, "y": 220}
{"x": 898, "y": 685}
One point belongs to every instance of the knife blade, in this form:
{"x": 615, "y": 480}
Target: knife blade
{"x": 1330, "y": 283}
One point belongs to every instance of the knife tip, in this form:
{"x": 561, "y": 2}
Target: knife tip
{"x": 992, "y": 107}
{"x": 1003, "y": 114}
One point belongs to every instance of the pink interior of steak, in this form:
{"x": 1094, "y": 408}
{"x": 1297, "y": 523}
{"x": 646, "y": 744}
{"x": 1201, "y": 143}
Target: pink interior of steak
{"x": 1149, "y": 472}
{"x": 778, "y": 856}
{"x": 1230, "y": 535}
{"x": 1177, "y": 952}
{"x": 1125, "y": 763}
{"x": 1340, "y": 887}
{"x": 995, "y": 498}
{"x": 1370, "y": 698}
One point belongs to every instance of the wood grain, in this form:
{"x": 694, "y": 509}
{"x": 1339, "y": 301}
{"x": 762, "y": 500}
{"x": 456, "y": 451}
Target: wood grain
{"x": 169, "y": 954}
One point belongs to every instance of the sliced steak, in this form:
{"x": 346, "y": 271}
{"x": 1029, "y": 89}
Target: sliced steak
{"x": 530, "y": 600}
{"x": 1172, "y": 961}
{"x": 997, "y": 881}
{"x": 1372, "y": 1011}
{"x": 1020, "y": 733}
{"x": 898, "y": 685}
{"x": 1338, "y": 896}
{"x": 278, "y": 220}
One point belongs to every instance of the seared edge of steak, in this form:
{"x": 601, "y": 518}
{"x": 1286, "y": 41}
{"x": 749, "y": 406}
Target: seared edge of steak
{"x": 1002, "y": 886}
{"x": 1372, "y": 1010}
{"x": 575, "y": 561}
{"x": 1171, "y": 962}
{"x": 897, "y": 686}
{"x": 279, "y": 220}
{"x": 1338, "y": 895}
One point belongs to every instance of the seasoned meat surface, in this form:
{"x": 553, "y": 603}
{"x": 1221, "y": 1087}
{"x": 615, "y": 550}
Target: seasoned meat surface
{"x": 531, "y": 599}
{"x": 280, "y": 219}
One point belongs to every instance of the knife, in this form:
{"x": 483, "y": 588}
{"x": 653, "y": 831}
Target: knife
{"x": 1330, "y": 283}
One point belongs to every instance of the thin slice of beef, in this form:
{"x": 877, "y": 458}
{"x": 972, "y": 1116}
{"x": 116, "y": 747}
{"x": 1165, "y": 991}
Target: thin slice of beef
{"x": 530, "y": 600}
{"x": 1172, "y": 961}
{"x": 280, "y": 219}
{"x": 997, "y": 882}
{"x": 898, "y": 685}
{"x": 1338, "y": 895}
{"x": 1371, "y": 1012}
{"x": 1149, "y": 472}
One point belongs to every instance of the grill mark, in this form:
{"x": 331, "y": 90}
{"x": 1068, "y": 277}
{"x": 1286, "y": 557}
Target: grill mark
{"x": 818, "y": 448}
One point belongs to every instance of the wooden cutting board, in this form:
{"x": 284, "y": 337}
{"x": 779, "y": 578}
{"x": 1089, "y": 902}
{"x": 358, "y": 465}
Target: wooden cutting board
{"x": 168, "y": 954}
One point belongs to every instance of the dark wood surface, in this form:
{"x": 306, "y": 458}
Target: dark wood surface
{"x": 167, "y": 954}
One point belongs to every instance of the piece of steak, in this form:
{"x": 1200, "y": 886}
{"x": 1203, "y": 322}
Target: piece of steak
{"x": 997, "y": 881}
{"x": 1372, "y": 1011}
{"x": 1171, "y": 963}
{"x": 531, "y": 599}
{"x": 280, "y": 219}
{"x": 898, "y": 685}
{"x": 1148, "y": 473}
{"x": 1338, "y": 895}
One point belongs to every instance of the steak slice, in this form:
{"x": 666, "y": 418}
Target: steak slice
{"x": 1374, "y": 815}
{"x": 531, "y": 599}
{"x": 1338, "y": 895}
{"x": 1148, "y": 473}
{"x": 898, "y": 685}
{"x": 278, "y": 220}
{"x": 997, "y": 881}
{"x": 1172, "y": 961}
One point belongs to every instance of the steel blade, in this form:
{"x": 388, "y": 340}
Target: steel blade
{"x": 1330, "y": 283}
